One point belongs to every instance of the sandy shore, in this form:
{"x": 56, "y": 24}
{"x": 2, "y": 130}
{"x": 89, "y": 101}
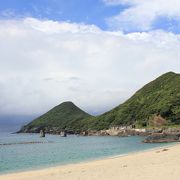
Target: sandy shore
{"x": 158, "y": 164}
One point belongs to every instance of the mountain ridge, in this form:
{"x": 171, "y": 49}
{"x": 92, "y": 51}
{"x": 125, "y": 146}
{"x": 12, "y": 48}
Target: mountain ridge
{"x": 160, "y": 97}
{"x": 157, "y": 93}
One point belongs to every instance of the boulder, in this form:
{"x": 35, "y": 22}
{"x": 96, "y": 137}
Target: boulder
{"x": 42, "y": 133}
{"x": 162, "y": 137}
{"x": 63, "y": 134}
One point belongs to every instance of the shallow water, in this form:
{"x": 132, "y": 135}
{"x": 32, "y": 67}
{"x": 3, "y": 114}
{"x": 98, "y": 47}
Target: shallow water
{"x": 54, "y": 150}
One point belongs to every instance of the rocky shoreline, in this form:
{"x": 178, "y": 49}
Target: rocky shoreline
{"x": 152, "y": 135}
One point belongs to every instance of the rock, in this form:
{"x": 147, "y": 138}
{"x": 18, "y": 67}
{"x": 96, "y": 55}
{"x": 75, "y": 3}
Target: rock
{"x": 171, "y": 131}
{"x": 154, "y": 130}
{"x": 162, "y": 137}
{"x": 84, "y": 133}
{"x": 42, "y": 133}
{"x": 63, "y": 134}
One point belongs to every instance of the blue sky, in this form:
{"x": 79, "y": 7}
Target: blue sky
{"x": 106, "y": 14}
{"x": 79, "y": 11}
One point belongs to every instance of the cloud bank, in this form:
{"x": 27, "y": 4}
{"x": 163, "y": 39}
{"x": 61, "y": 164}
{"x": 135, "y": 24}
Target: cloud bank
{"x": 43, "y": 63}
{"x": 140, "y": 15}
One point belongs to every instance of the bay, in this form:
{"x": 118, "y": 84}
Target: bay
{"x": 20, "y": 152}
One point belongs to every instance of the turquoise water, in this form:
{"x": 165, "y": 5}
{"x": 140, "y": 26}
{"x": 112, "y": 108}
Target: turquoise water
{"x": 57, "y": 150}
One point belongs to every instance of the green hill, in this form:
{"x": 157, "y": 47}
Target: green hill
{"x": 64, "y": 116}
{"x": 158, "y": 100}
{"x": 159, "y": 97}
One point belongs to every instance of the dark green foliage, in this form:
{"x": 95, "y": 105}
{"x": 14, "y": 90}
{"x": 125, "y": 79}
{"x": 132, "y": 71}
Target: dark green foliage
{"x": 159, "y": 97}
{"x": 63, "y": 116}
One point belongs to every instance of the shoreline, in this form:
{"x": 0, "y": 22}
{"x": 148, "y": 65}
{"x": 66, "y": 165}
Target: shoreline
{"x": 54, "y": 172}
{"x": 165, "y": 145}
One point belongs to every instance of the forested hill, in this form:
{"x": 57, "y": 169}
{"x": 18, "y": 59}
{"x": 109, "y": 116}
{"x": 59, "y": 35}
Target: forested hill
{"x": 159, "y": 98}
{"x": 64, "y": 116}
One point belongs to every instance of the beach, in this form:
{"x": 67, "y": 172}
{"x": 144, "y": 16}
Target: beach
{"x": 157, "y": 164}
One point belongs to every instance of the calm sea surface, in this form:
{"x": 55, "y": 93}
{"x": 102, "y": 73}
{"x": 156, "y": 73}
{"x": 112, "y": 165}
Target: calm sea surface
{"x": 56, "y": 150}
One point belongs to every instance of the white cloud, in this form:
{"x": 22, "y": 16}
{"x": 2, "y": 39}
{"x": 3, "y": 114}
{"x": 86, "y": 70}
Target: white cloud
{"x": 141, "y": 14}
{"x": 43, "y": 63}
{"x": 49, "y": 26}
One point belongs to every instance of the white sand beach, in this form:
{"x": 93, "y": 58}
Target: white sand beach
{"x": 157, "y": 164}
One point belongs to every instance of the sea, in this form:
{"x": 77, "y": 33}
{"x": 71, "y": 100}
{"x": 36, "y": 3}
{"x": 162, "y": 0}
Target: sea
{"x": 22, "y": 152}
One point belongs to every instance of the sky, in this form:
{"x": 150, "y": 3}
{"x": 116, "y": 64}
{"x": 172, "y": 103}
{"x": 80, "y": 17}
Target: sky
{"x": 96, "y": 53}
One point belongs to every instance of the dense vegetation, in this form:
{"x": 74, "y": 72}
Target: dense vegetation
{"x": 159, "y": 97}
{"x": 63, "y": 116}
